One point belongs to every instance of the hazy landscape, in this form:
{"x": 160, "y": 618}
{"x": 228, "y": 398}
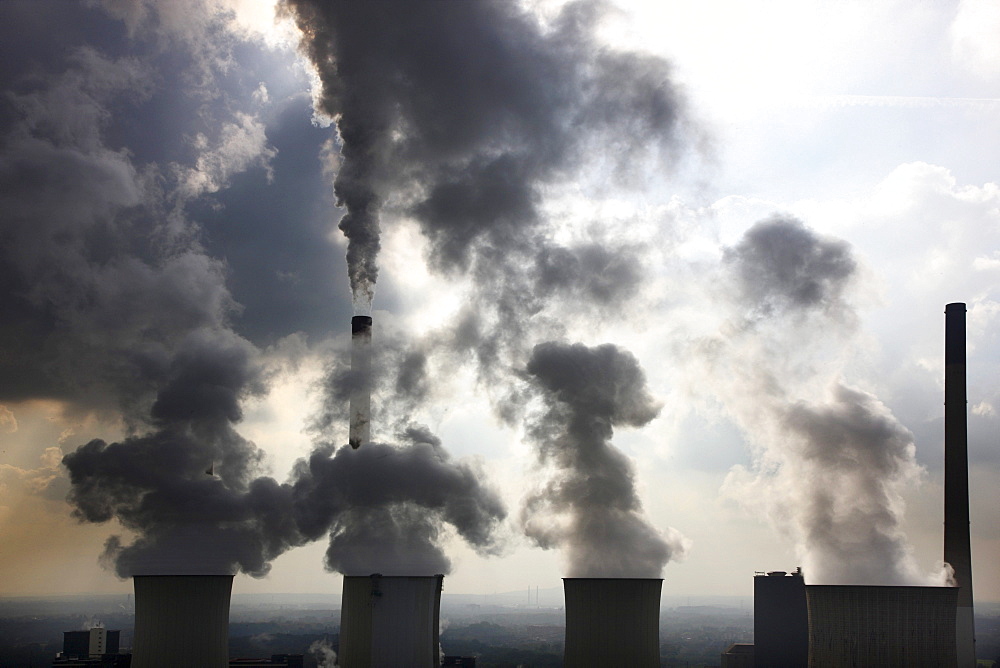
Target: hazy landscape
{"x": 501, "y": 629}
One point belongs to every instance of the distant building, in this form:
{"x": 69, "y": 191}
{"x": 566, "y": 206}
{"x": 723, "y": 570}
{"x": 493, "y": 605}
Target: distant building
{"x": 780, "y": 620}
{"x": 94, "y": 642}
{"x": 738, "y": 655}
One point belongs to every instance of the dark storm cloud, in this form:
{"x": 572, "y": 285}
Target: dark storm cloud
{"x": 459, "y": 112}
{"x": 832, "y": 459}
{"x": 589, "y": 506}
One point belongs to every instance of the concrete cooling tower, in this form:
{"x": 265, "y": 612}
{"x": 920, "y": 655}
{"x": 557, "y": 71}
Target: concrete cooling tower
{"x": 853, "y": 625}
{"x": 390, "y": 621}
{"x": 612, "y": 622}
{"x": 181, "y": 620}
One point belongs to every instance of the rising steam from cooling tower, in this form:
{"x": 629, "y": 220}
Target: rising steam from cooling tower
{"x": 830, "y": 459}
{"x": 589, "y": 506}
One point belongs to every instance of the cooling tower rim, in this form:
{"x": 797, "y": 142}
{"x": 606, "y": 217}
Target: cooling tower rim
{"x": 439, "y": 576}
{"x": 613, "y": 579}
{"x": 864, "y": 586}
{"x": 183, "y": 575}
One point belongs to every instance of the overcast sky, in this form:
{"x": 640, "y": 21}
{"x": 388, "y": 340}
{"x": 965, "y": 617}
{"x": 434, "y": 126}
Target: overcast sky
{"x": 658, "y": 288}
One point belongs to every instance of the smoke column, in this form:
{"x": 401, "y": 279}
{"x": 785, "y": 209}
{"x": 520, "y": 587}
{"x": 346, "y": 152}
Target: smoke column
{"x": 361, "y": 372}
{"x": 830, "y": 459}
{"x": 589, "y": 507}
{"x": 455, "y": 114}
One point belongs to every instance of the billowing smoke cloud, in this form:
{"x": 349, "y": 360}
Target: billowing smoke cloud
{"x": 458, "y": 114}
{"x": 831, "y": 460}
{"x": 112, "y": 304}
{"x": 385, "y": 507}
{"x": 589, "y": 506}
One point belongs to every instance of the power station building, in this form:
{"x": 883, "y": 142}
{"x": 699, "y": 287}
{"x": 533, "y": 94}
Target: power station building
{"x": 855, "y": 625}
{"x": 780, "y": 620}
{"x": 796, "y": 624}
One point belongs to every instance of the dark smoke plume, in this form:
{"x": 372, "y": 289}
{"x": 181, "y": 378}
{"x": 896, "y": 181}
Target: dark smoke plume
{"x": 187, "y": 488}
{"x": 589, "y": 506}
{"x": 111, "y": 305}
{"x": 831, "y": 460}
{"x": 385, "y": 507}
{"x": 457, "y": 114}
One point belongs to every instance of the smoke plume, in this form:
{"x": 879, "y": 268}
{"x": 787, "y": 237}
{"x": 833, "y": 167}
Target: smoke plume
{"x": 457, "y": 114}
{"x": 830, "y": 459}
{"x": 589, "y": 505}
{"x": 385, "y": 507}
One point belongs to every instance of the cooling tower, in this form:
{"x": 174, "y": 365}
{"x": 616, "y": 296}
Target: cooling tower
{"x": 361, "y": 370}
{"x": 612, "y": 622}
{"x": 957, "y": 549}
{"x": 780, "y": 620}
{"x": 880, "y": 626}
{"x": 181, "y": 620}
{"x": 390, "y": 621}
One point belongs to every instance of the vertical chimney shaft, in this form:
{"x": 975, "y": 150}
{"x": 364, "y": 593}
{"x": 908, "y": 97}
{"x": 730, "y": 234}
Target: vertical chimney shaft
{"x": 361, "y": 370}
{"x": 957, "y": 548}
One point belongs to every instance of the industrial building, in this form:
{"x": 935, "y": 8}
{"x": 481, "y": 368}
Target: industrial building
{"x": 796, "y": 624}
{"x": 854, "y": 625}
{"x": 93, "y": 642}
{"x": 780, "y": 620}
{"x": 738, "y": 655}
{"x": 612, "y": 622}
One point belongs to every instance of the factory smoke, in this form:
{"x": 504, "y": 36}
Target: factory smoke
{"x": 830, "y": 459}
{"x": 385, "y": 507}
{"x": 589, "y": 506}
{"x": 458, "y": 117}
{"x": 456, "y": 114}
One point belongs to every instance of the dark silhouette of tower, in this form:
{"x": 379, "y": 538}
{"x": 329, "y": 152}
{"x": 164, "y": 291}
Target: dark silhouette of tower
{"x": 957, "y": 549}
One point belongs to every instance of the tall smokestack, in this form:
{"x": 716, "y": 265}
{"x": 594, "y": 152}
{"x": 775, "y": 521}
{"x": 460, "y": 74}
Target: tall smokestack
{"x": 612, "y": 622}
{"x": 390, "y": 621}
{"x": 181, "y": 620}
{"x": 957, "y": 548}
{"x": 361, "y": 370}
